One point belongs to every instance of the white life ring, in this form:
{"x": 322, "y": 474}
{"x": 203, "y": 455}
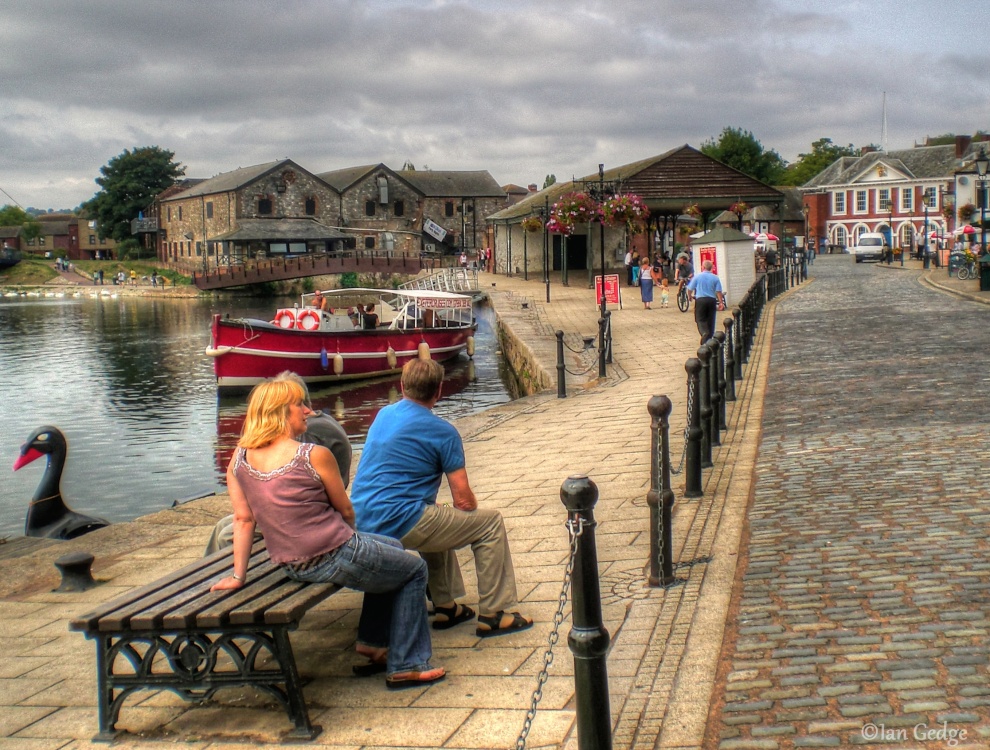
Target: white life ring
{"x": 285, "y": 318}
{"x": 308, "y": 320}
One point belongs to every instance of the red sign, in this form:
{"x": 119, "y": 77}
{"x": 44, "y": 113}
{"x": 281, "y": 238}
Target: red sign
{"x": 611, "y": 289}
{"x": 707, "y": 253}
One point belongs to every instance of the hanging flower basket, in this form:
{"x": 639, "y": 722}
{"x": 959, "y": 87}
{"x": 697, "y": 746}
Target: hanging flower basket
{"x": 532, "y": 224}
{"x": 572, "y": 209}
{"x": 627, "y": 209}
{"x": 692, "y": 210}
{"x": 739, "y": 207}
{"x": 966, "y": 211}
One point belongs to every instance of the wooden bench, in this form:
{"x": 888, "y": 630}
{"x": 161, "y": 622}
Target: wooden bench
{"x": 175, "y": 634}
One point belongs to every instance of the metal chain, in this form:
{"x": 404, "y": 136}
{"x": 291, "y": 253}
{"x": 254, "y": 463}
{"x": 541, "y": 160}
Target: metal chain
{"x": 575, "y": 527}
{"x": 660, "y": 491}
{"x": 687, "y": 427}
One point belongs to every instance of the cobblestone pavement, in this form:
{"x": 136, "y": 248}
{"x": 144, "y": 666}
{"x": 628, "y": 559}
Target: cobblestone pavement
{"x": 862, "y": 607}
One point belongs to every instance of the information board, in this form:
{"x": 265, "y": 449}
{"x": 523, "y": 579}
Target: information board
{"x": 613, "y": 294}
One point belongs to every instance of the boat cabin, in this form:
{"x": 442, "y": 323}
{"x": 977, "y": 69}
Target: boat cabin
{"x": 342, "y": 310}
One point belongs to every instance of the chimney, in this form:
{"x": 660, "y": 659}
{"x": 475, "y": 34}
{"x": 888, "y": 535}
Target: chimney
{"x": 867, "y": 150}
{"x": 532, "y": 187}
{"x": 962, "y": 145}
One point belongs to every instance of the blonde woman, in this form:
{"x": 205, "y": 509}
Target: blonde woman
{"x": 294, "y": 493}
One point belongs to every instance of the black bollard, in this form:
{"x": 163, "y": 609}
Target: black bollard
{"x": 561, "y": 383}
{"x": 713, "y": 394}
{"x": 75, "y": 571}
{"x": 720, "y": 338}
{"x": 608, "y": 337}
{"x": 660, "y": 498}
{"x": 601, "y": 347}
{"x": 730, "y": 365}
{"x": 692, "y": 449}
{"x": 737, "y": 345}
{"x": 705, "y": 397}
{"x": 588, "y": 639}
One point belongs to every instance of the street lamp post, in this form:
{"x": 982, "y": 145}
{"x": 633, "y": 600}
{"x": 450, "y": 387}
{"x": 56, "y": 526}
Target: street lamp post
{"x": 982, "y": 162}
{"x": 545, "y": 216}
{"x": 925, "y": 235}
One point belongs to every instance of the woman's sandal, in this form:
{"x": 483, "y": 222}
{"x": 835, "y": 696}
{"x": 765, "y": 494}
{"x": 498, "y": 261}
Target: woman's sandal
{"x": 377, "y": 661}
{"x": 455, "y": 616}
{"x": 494, "y": 623}
{"x": 403, "y": 680}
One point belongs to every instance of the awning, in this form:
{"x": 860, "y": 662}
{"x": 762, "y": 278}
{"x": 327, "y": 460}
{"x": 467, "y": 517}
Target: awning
{"x": 280, "y": 230}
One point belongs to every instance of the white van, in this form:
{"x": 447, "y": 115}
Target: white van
{"x": 871, "y": 246}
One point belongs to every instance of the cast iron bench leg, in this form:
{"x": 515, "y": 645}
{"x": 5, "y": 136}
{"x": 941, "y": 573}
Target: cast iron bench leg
{"x": 293, "y": 688}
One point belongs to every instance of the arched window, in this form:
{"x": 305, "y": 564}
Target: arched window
{"x": 840, "y": 236}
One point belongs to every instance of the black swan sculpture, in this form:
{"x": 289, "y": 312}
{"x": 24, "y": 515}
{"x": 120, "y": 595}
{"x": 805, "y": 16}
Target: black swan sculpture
{"x": 48, "y": 515}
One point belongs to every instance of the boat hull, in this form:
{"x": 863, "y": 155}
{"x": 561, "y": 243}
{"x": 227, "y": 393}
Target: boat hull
{"x": 246, "y": 352}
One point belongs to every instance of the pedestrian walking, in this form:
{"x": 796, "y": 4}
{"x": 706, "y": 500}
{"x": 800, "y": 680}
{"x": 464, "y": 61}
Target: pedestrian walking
{"x": 706, "y": 290}
{"x": 646, "y": 284}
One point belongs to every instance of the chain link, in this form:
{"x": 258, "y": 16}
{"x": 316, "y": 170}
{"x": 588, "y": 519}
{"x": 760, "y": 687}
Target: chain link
{"x": 575, "y": 527}
{"x": 660, "y": 491}
{"x": 687, "y": 428}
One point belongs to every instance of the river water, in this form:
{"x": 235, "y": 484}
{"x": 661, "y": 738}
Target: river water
{"x": 128, "y": 383}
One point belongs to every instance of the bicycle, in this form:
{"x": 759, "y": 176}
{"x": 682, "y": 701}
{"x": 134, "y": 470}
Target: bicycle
{"x": 683, "y": 301}
{"x": 968, "y": 271}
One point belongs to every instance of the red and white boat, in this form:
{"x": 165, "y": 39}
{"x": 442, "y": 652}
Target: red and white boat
{"x": 342, "y": 339}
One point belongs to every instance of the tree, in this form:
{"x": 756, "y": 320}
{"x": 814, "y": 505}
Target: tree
{"x": 14, "y": 216}
{"x": 740, "y": 150}
{"x": 408, "y": 166}
{"x": 823, "y": 153}
{"x": 129, "y": 184}
{"x": 550, "y": 180}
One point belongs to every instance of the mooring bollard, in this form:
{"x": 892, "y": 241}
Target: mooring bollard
{"x": 714, "y": 396}
{"x": 692, "y": 448}
{"x": 720, "y": 378}
{"x": 588, "y": 639}
{"x": 561, "y": 383}
{"x": 730, "y": 365}
{"x": 75, "y": 571}
{"x": 705, "y": 397}
{"x": 660, "y": 498}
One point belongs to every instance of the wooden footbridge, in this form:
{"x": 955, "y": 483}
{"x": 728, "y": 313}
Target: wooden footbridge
{"x": 282, "y": 269}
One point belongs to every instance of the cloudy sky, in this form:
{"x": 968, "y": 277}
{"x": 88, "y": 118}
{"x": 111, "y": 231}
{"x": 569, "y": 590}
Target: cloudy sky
{"x": 521, "y": 88}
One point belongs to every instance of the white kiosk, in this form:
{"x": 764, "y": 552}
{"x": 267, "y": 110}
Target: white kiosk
{"x": 733, "y": 258}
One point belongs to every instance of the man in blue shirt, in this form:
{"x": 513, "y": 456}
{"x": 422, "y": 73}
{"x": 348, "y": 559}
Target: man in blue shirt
{"x": 706, "y": 291}
{"x": 407, "y": 452}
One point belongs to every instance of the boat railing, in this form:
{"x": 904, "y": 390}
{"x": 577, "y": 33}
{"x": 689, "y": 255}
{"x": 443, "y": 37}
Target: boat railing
{"x": 460, "y": 280}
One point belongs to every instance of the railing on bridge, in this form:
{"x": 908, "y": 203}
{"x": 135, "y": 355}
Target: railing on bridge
{"x": 462, "y": 280}
{"x": 281, "y": 269}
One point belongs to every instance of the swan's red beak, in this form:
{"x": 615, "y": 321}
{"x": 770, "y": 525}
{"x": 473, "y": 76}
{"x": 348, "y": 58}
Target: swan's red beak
{"x": 27, "y": 457}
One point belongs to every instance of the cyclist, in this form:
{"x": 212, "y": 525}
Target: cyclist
{"x": 683, "y": 271}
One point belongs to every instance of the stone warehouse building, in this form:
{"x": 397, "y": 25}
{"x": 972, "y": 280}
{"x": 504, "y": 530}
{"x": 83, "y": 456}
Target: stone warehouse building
{"x": 280, "y": 209}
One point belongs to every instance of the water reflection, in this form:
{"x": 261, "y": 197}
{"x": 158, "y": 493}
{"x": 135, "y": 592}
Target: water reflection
{"x": 127, "y": 381}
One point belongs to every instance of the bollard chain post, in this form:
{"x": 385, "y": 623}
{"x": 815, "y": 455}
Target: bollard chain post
{"x": 714, "y": 396}
{"x": 660, "y": 497}
{"x": 737, "y": 346}
{"x": 730, "y": 366}
{"x": 704, "y": 355}
{"x": 720, "y": 378}
{"x": 588, "y": 639}
{"x": 561, "y": 382}
{"x": 692, "y": 449}
{"x": 601, "y": 346}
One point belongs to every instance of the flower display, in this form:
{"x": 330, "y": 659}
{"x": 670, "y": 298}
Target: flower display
{"x": 739, "y": 207}
{"x": 570, "y": 210}
{"x": 692, "y": 210}
{"x": 625, "y": 208}
{"x": 532, "y": 224}
{"x": 966, "y": 211}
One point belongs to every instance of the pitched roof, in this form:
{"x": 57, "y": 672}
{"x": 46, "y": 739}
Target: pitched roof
{"x": 666, "y": 183}
{"x": 228, "y": 181}
{"x": 454, "y": 184}
{"x": 921, "y": 163}
{"x": 341, "y": 179}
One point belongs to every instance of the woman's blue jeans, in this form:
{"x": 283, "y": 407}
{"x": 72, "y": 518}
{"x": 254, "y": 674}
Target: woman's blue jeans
{"x": 394, "y": 585}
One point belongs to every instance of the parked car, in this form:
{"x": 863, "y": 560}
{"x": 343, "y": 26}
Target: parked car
{"x": 870, "y": 246}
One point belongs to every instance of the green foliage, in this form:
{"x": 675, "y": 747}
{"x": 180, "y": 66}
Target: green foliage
{"x": 307, "y": 285}
{"x": 29, "y": 272}
{"x": 129, "y": 249}
{"x": 551, "y": 179}
{"x": 348, "y": 280}
{"x": 740, "y": 150}
{"x": 129, "y": 184}
{"x": 823, "y": 153}
{"x": 14, "y": 216}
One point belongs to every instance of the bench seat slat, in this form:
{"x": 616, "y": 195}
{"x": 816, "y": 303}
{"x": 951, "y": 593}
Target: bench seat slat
{"x": 191, "y": 614}
{"x": 292, "y": 608}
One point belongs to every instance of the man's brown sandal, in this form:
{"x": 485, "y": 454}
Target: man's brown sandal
{"x": 403, "y": 680}
{"x": 495, "y": 627}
